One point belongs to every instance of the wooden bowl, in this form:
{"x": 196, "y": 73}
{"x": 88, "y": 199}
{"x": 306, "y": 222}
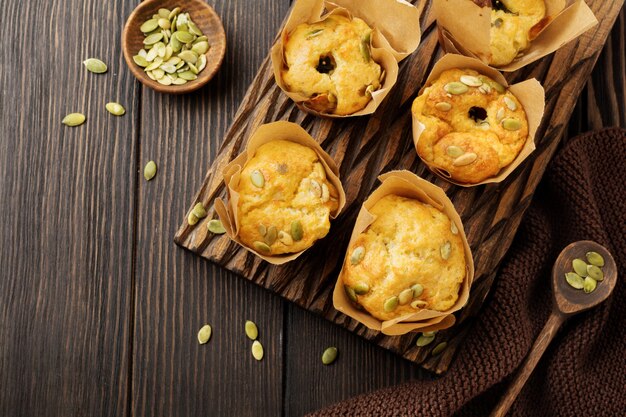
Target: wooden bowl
{"x": 202, "y": 15}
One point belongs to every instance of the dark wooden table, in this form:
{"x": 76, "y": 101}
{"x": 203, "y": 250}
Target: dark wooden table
{"x": 99, "y": 309}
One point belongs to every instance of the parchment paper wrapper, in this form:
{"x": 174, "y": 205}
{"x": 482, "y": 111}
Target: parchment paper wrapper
{"x": 464, "y": 29}
{"x": 407, "y": 184}
{"x": 530, "y": 94}
{"x": 395, "y": 35}
{"x": 267, "y": 133}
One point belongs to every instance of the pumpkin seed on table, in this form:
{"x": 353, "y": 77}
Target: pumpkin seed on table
{"x": 257, "y": 350}
{"x": 115, "y": 109}
{"x": 439, "y": 348}
{"x": 95, "y": 65}
{"x": 199, "y": 211}
{"x": 204, "y": 334}
{"x": 251, "y": 330}
{"x": 215, "y": 226}
{"x": 424, "y": 340}
{"x": 329, "y": 355}
{"x": 73, "y": 119}
{"x": 150, "y": 170}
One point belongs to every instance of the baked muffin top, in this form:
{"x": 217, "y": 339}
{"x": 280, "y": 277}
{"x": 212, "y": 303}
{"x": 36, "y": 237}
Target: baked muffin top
{"x": 473, "y": 126}
{"x": 285, "y": 199}
{"x": 511, "y": 24}
{"x": 329, "y": 61}
{"x": 410, "y": 258}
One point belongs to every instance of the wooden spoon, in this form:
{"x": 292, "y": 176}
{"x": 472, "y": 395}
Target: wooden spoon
{"x": 567, "y": 302}
{"x": 202, "y": 15}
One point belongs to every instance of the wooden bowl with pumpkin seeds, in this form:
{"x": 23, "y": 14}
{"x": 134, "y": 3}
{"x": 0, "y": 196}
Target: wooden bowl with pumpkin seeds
{"x": 152, "y": 45}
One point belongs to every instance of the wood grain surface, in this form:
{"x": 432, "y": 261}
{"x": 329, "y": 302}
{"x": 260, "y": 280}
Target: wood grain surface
{"x": 98, "y": 308}
{"x": 365, "y": 147}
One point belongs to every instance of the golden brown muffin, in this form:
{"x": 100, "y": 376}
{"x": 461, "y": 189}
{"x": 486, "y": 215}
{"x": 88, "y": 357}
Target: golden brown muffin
{"x": 410, "y": 258}
{"x": 474, "y": 127}
{"x": 514, "y": 23}
{"x": 285, "y": 199}
{"x": 330, "y": 62}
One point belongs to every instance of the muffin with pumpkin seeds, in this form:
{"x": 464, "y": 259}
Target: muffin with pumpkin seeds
{"x": 285, "y": 199}
{"x": 410, "y": 258}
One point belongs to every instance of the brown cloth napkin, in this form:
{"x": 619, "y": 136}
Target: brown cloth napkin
{"x": 583, "y": 372}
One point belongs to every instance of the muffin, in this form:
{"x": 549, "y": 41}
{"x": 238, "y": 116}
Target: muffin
{"x": 285, "y": 199}
{"x": 410, "y": 258}
{"x": 514, "y": 23}
{"x": 473, "y": 126}
{"x": 330, "y": 63}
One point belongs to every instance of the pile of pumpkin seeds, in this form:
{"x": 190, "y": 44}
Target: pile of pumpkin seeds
{"x": 174, "y": 49}
{"x": 586, "y": 275}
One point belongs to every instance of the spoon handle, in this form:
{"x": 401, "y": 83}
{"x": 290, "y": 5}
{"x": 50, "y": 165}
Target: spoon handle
{"x": 543, "y": 340}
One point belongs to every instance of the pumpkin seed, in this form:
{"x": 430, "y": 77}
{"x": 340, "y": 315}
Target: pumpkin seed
{"x": 325, "y": 193}
{"x": 595, "y": 272}
{"x": 405, "y": 296}
{"x": 418, "y": 289}
{"x": 498, "y": 87}
{"x": 95, "y": 65}
{"x": 443, "y": 106}
{"x": 424, "y": 340}
{"x": 471, "y": 80}
{"x": 361, "y": 288}
{"x": 511, "y": 124}
{"x": 164, "y": 23}
{"x": 594, "y": 258}
{"x": 140, "y": 60}
{"x": 164, "y": 13}
{"x": 262, "y": 229}
{"x": 256, "y": 176}
{"x": 285, "y": 238}
{"x": 174, "y": 13}
{"x": 261, "y": 247}
{"x": 365, "y": 51}
{"x": 202, "y": 62}
{"x": 215, "y": 226}
{"x": 465, "y": 159}
{"x": 589, "y": 285}
{"x": 314, "y": 33}
{"x": 192, "y": 219}
{"x": 445, "y": 250}
{"x": 369, "y": 90}
{"x": 357, "y": 255}
{"x": 271, "y": 235}
{"x": 73, "y": 119}
{"x": 152, "y": 39}
{"x": 183, "y": 36}
{"x": 417, "y": 304}
{"x": 199, "y": 211}
{"x": 329, "y": 355}
{"x": 500, "y": 114}
{"x": 454, "y": 151}
{"x": 115, "y": 109}
{"x": 439, "y": 348}
{"x": 580, "y": 267}
{"x": 390, "y": 304}
{"x": 155, "y": 64}
{"x": 251, "y": 330}
{"x": 428, "y": 334}
{"x": 453, "y": 228}
{"x": 200, "y": 47}
{"x": 498, "y": 22}
{"x": 188, "y": 56}
{"x": 350, "y": 293}
{"x": 150, "y": 75}
{"x": 510, "y": 104}
{"x": 315, "y": 188}
{"x": 456, "y": 88}
{"x": 189, "y": 76}
{"x": 150, "y": 170}
{"x": 165, "y": 81}
{"x": 574, "y": 280}
{"x": 193, "y": 68}
{"x": 204, "y": 334}
{"x": 296, "y": 230}
{"x": 149, "y": 25}
{"x": 485, "y": 88}
{"x": 158, "y": 73}
{"x": 257, "y": 350}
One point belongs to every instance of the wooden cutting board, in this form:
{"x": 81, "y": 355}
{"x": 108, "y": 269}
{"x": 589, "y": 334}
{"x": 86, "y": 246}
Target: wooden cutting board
{"x": 365, "y": 147}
